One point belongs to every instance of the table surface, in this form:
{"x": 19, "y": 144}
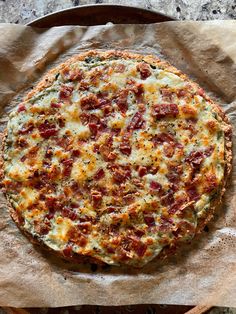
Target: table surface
{"x": 24, "y": 11}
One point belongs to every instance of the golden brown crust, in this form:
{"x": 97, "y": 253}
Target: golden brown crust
{"x": 48, "y": 79}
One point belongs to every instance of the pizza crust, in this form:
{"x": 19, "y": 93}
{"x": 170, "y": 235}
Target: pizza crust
{"x": 48, "y": 79}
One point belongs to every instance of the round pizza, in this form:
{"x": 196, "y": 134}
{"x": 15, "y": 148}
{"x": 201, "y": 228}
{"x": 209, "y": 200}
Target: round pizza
{"x": 115, "y": 158}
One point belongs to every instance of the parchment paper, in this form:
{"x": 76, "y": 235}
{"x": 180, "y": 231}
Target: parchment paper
{"x": 204, "y": 272}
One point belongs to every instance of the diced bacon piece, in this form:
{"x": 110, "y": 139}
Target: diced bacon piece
{"x": 136, "y": 122}
{"x": 142, "y": 171}
{"x": 162, "y": 138}
{"x": 184, "y": 228}
{"x": 89, "y": 102}
{"x": 42, "y": 227}
{"x": 208, "y": 151}
{"x": 169, "y": 149}
{"x": 149, "y": 219}
{"x": 84, "y": 227}
{"x": 195, "y": 158}
{"x": 99, "y": 174}
{"x": 63, "y": 142}
{"x": 65, "y": 92}
{"x": 106, "y": 150}
{"x": 47, "y": 129}
{"x": 155, "y": 186}
{"x": 125, "y": 146}
{"x": 67, "y": 163}
{"x": 140, "y": 248}
{"x": 210, "y": 183}
{"x": 121, "y": 101}
{"x": 21, "y": 108}
{"x": 75, "y": 153}
{"x": 120, "y": 173}
{"x": 192, "y": 193}
{"x": 119, "y": 68}
{"x": 76, "y": 75}
{"x": 128, "y": 199}
{"x": 201, "y": 92}
{"x": 55, "y": 105}
{"x": 69, "y": 213}
{"x": 96, "y": 197}
{"x": 166, "y": 94}
{"x": 93, "y": 128}
{"x": 165, "y": 111}
{"x": 139, "y": 233}
{"x": 67, "y": 252}
{"x": 144, "y": 69}
{"x": 27, "y": 128}
{"x": 167, "y": 199}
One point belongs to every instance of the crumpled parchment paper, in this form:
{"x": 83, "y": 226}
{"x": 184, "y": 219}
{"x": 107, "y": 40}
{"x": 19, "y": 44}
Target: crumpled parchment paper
{"x": 203, "y": 272}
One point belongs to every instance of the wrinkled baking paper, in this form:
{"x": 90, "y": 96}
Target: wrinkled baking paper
{"x": 202, "y": 273}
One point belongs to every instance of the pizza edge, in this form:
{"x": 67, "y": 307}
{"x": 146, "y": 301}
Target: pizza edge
{"x": 48, "y": 79}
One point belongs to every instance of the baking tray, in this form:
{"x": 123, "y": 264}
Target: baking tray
{"x": 99, "y": 14}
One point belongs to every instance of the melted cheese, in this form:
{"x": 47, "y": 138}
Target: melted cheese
{"x": 122, "y": 199}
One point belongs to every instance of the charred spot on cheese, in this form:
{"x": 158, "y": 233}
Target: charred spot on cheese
{"x": 116, "y": 158}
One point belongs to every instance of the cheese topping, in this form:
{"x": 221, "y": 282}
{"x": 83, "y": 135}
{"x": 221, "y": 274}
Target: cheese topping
{"x": 116, "y": 159}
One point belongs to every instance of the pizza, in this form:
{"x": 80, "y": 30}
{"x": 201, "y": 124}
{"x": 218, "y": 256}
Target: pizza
{"x": 115, "y": 158}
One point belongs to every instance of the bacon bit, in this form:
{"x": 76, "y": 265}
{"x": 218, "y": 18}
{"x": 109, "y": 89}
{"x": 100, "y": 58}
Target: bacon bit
{"x": 55, "y": 105}
{"x": 139, "y": 233}
{"x": 136, "y": 122}
{"x": 21, "y": 108}
{"x": 69, "y": 213}
{"x": 89, "y": 102}
{"x": 75, "y": 153}
{"x": 67, "y": 163}
{"x": 121, "y": 173}
{"x": 138, "y": 183}
{"x": 210, "y": 183}
{"x": 99, "y": 174}
{"x": 82, "y": 241}
{"x": 128, "y": 199}
{"x": 142, "y": 171}
{"x": 136, "y": 88}
{"x": 110, "y": 250}
{"x": 165, "y": 110}
{"x": 61, "y": 122}
{"x": 106, "y": 150}
{"x": 42, "y": 227}
{"x": 155, "y": 186}
{"x": 93, "y": 129}
{"x": 195, "y": 158}
{"x": 104, "y": 102}
{"x": 83, "y": 86}
{"x": 201, "y": 92}
{"x": 212, "y": 126}
{"x": 149, "y": 219}
{"x": 208, "y": 151}
{"x": 167, "y": 199}
{"x": 192, "y": 193}
{"x": 65, "y": 91}
{"x": 21, "y": 142}
{"x": 63, "y": 142}
{"x": 67, "y": 252}
{"x": 96, "y": 148}
{"x": 27, "y": 128}
{"x": 119, "y": 68}
{"x": 177, "y": 204}
{"x": 184, "y": 228}
{"x": 162, "y": 138}
{"x": 76, "y": 75}
{"x": 182, "y": 93}
{"x": 125, "y": 147}
{"x": 140, "y": 249}
{"x": 84, "y": 227}
{"x": 96, "y": 198}
{"x": 169, "y": 149}
{"x": 167, "y": 94}
{"x": 47, "y": 130}
{"x": 121, "y": 100}
{"x": 144, "y": 70}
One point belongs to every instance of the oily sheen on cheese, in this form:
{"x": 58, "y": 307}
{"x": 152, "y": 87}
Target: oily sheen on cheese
{"x": 114, "y": 157}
